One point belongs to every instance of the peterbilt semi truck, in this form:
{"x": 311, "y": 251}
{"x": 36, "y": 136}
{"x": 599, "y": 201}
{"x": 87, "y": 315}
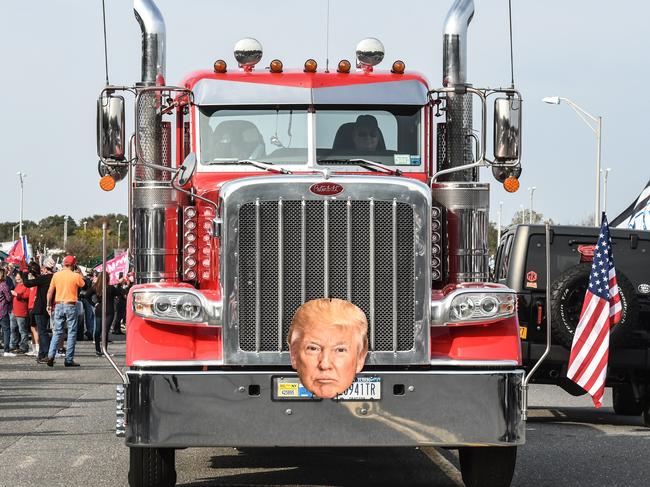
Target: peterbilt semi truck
{"x": 253, "y": 189}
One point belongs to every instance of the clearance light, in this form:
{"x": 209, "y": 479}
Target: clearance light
{"x": 398, "y": 67}
{"x": 276, "y": 66}
{"x": 310, "y": 66}
{"x": 436, "y": 238}
{"x": 107, "y": 183}
{"x": 511, "y": 184}
{"x": 344, "y": 66}
{"x": 220, "y": 66}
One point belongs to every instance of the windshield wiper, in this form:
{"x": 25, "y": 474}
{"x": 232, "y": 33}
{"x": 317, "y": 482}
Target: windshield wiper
{"x": 267, "y": 166}
{"x": 365, "y": 163}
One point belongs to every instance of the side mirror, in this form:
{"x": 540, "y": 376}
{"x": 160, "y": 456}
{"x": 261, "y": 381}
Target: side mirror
{"x": 110, "y": 127}
{"x": 187, "y": 169}
{"x": 507, "y": 129}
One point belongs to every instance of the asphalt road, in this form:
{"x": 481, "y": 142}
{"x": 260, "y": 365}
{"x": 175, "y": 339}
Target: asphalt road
{"x": 57, "y": 429}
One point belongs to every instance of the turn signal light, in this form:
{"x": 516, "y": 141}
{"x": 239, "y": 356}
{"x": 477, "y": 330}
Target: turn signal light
{"x": 344, "y": 66}
{"x": 220, "y": 66}
{"x": 310, "y": 66}
{"x": 276, "y": 66}
{"x": 511, "y": 184}
{"x": 398, "y": 67}
{"x": 107, "y": 183}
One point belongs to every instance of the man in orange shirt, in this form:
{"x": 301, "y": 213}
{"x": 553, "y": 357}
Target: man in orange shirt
{"x": 62, "y": 296}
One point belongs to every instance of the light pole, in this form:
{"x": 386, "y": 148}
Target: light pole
{"x": 530, "y": 214}
{"x": 21, "y": 178}
{"x": 499, "y": 222}
{"x": 13, "y": 232}
{"x": 596, "y": 126}
{"x": 65, "y": 232}
{"x": 85, "y": 223}
{"x": 119, "y": 228}
{"x": 606, "y": 172}
{"x": 522, "y": 213}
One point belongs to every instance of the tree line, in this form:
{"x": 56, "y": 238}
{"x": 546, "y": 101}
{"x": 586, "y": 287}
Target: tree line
{"x": 84, "y": 235}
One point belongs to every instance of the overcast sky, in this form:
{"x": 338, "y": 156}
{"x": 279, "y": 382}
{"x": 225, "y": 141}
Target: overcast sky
{"x": 591, "y": 51}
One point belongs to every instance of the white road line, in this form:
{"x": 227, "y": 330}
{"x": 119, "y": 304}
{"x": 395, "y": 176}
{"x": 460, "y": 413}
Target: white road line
{"x": 444, "y": 465}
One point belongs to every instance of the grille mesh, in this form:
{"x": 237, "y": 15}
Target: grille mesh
{"x": 263, "y": 326}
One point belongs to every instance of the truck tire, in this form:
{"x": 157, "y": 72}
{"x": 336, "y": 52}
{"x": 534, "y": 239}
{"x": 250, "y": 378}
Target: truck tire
{"x": 489, "y": 466}
{"x": 567, "y": 296}
{"x": 624, "y": 401}
{"x": 152, "y": 467}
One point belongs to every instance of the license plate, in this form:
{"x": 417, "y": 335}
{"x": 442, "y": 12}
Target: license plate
{"x": 364, "y": 388}
{"x": 523, "y": 332}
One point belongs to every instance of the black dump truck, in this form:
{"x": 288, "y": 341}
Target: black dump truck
{"x": 521, "y": 264}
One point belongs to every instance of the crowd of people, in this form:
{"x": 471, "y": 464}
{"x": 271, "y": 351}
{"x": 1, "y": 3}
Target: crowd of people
{"x": 46, "y": 308}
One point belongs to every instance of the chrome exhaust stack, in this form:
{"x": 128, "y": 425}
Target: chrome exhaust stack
{"x": 457, "y": 132}
{"x": 155, "y": 205}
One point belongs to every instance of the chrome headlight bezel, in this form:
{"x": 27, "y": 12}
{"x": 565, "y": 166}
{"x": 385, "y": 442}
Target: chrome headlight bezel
{"x": 474, "y": 306}
{"x": 177, "y": 305}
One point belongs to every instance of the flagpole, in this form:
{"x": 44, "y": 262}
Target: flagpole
{"x": 21, "y": 177}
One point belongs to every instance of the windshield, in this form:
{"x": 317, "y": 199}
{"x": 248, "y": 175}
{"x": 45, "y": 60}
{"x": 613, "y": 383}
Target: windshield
{"x": 279, "y": 135}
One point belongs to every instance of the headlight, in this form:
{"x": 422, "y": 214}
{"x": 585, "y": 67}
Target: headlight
{"x": 169, "y": 306}
{"x": 481, "y": 306}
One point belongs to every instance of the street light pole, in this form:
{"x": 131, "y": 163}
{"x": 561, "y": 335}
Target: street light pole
{"x": 530, "y": 214}
{"x": 21, "y": 178}
{"x": 119, "y": 228}
{"x": 606, "y": 172}
{"x": 65, "y": 232}
{"x": 499, "y": 222}
{"x": 596, "y": 125}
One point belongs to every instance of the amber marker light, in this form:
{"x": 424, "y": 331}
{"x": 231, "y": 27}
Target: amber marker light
{"x": 511, "y": 184}
{"x": 310, "y": 66}
{"x": 276, "y": 66}
{"x": 398, "y": 67}
{"x": 107, "y": 183}
{"x": 344, "y": 66}
{"x": 220, "y": 66}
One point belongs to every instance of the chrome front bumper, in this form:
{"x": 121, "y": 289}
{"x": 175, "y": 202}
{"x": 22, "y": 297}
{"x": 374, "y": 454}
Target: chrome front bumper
{"x": 441, "y": 408}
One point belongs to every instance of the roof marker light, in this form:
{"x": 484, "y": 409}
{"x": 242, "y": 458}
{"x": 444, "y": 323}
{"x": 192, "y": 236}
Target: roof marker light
{"x": 344, "y": 66}
{"x": 511, "y": 184}
{"x": 220, "y": 66}
{"x": 276, "y": 66}
{"x": 310, "y": 66}
{"x": 398, "y": 67}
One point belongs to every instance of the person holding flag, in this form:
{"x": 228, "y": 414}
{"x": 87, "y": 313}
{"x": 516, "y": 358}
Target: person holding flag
{"x": 601, "y": 310}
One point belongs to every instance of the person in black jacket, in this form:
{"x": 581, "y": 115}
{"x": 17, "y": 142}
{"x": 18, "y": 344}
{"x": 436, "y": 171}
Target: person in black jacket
{"x": 111, "y": 294}
{"x": 42, "y": 283}
{"x": 87, "y": 297}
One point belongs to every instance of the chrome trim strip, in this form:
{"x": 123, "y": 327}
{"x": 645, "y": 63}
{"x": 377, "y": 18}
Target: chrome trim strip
{"x": 348, "y": 215}
{"x": 475, "y": 363}
{"x": 303, "y": 250}
{"x": 293, "y": 373}
{"x": 394, "y": 275}
{"x": 280, "y": 270}
{"x": 371, "y": 270}
{"x": 258, "y": 278}
{"x": 172, "y": 363}
{"x": 326, "y": 249}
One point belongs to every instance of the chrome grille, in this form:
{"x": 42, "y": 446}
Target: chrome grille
{"x": 291, "y": 251}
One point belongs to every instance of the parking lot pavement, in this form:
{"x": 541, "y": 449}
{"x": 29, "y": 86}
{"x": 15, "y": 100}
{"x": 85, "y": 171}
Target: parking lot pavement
{"x": 57, "y": 429}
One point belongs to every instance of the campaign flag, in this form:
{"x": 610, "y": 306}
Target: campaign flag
{"x": 115, "y": 266}
{"x": 601, "y": 310}
{"x": 18, "y": 253}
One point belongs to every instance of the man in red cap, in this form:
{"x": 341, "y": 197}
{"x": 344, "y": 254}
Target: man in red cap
{"x": 62, "y": 296}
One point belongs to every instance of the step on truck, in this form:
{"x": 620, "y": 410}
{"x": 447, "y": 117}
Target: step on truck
{"x": 255, "y": 189}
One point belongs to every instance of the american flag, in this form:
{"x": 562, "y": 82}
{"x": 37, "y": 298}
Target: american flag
{"x": 601, "y": 310}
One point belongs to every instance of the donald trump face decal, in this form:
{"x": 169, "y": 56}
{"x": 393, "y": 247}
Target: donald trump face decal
{"x": 328, "y": 343}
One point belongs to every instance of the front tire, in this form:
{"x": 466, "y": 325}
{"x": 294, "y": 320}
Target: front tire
{"x": 490, "y": 466}
{"x": 152, "y": 467}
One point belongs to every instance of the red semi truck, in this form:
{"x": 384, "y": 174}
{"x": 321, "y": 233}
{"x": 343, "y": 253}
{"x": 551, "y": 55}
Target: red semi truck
{"x": 253, "y": 190}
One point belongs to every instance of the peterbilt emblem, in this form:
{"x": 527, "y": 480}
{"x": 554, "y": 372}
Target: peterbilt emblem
{"x": 326, "y": 189}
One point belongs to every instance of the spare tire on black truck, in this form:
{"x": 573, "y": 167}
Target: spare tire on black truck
{"x": 567, "y": 296}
